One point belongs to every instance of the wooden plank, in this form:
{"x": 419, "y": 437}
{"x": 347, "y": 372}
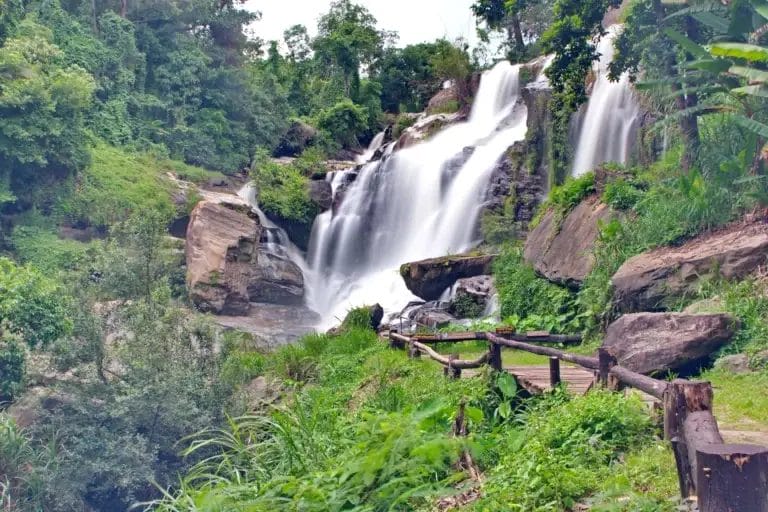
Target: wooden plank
{"x": 536, "y": 379}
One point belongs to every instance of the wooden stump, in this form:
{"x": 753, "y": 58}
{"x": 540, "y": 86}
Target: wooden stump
{"x": 495, "y": 356}
{"x": 451, "y": 372}
{"x": 554, "y": 372}
{"x": 732, "y": 478}
{"x": 606, "y": 361}
{"x": 413, "y": 352}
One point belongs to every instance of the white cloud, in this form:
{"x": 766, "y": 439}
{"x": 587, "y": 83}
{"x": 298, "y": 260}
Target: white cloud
{"x": 415, "y": 20}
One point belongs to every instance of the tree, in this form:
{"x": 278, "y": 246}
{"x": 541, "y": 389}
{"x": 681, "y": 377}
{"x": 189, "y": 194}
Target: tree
{"x": 42, "y": 109}
{"x": 451, "y": 62}
{"x": 522, "y": 21}
{"x": 348, "y": 41}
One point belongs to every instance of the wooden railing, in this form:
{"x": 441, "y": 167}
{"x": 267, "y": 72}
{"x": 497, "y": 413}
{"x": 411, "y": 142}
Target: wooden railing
{"x": 720, "y": 477}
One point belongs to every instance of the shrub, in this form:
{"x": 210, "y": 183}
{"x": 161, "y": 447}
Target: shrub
{"x": 621, "y": 194}
{"x": 283, "y": 190}
{"x": 522, "y": 294}
{"x": 32, "y": 305}
{"x": 343, "y": 122}
{"x": 358, "y": 318}
{"x": 563, "y": 198}
{"x": 12, "y": 366}
{"x": 241, "y": 367}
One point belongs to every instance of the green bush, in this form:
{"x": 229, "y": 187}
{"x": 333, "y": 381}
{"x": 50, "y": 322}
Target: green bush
{"x": 564, "y": 452}
{"x": 283, "y": 190}
{"x": 12, "y": 366}
{"x": 563, "y": 198}
{"x": 621, "y": 194}
{"x": 32, "y": 305}
{"x": 524, "y": 295}
{"x": 242, "y": 367}
{"x": 359, "y": 318}
{"x": 343, "y": 122}
{"x": 43, "y": 248}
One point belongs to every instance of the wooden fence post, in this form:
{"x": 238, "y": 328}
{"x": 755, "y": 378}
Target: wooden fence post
{"x": 688, "y": 424}
{"x": 606, "y": 361}
{"x": 451, "y": 372}
{"x": 732, "y": 477}
{"x": 413, "y": 352}
{"x": 554, "y": 372}
{"x": 395, "y": 343}
{"x": 494, "y": 360}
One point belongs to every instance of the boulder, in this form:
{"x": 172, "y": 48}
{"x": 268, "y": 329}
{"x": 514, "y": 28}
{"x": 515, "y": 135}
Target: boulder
{"x": 227, "y": 268}
{"x": 471, "y": 296}
{"x": 660, "y": 342}
{"x": 299, "y": 136}
{"x": 432, "y": 316}
{"x": 445, "y": 101}
{"x": 738, "y": 363}
{"x": 562, "y": 251}
{"x": 428, "y": 279}
{"x": 648, "y": 281}
{"x": 321, "y": 193}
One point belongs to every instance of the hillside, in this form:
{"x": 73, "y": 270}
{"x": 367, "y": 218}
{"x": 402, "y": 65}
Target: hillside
{"x": 333, "y": 272}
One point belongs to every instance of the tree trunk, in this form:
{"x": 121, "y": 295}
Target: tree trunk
{"x": 517, "y": 34}
{"x": 123, "y": 8}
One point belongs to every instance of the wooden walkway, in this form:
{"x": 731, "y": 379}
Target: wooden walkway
{"x": 535, "y": 379}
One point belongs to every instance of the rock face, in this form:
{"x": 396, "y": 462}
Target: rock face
{"x": 227, "y": 268}
{"x": 660, "y": 342}
{"x": 647, "y": 281}
{"x": 296, "y": 139}
{"x": 428, "y": 279}
{"x": 563, "y": 252}
{"x": 321, "y": 193}
{"x": 472, "y": 296}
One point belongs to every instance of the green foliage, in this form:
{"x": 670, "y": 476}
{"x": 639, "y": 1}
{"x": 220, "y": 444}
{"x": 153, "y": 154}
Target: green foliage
{"x": 358, "y": 318}
{"x": 564, "y": 198}
{"x": 342, "y": 122}
{"x": 115, "y": 185}
{"x": 32, "y": 305}
{"x": 464, "y": 306}
{"x": 565, "y": 451}
{"x": 451, "y": 62}
{"x": 42, "y": 106}
{"x": 12, "y": 367}
{"x": 621, "y": 194}
{"x": 525, "y": 296}
{"x": 283, "y": 190}
{"x": 42, "y": 248}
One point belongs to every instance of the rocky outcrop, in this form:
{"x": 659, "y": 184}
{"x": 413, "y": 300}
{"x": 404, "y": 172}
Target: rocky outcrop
{"x": 428, "y": 279}
{"x": 299, "y": 136}
{"x": 561, "y": 251}
{"x": 648, "y": 281}
{"x": 227, "y": 268}
{"x": 425, "y": 127}
{"x": 321, "y": 194}
{"x": 471, "y": 296}
{"x": 446, "y": 100}
{"x": 660, "y": 342}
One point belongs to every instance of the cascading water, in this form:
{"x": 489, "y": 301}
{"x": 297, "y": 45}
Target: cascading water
{"x": 376, "y": 143}
{"x": 611, "y": 118}
{"x": 417, "y": 203}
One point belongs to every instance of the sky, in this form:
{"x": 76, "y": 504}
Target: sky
{"x": 415, "y": 20}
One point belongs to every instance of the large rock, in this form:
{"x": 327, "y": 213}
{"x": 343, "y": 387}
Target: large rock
{"x": 321, "y": 193}
{"x": 227, "y": 268}
{"x": 299, "y": 136}
{"x": 660, "y": 342}
{"x": 562, "y": 252}
{"x": 648, "y": 281}
{"x": 472, "y": 296}
{"x": 428, "y": 279}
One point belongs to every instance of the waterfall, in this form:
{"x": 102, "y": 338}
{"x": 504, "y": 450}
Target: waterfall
{"x": 421, "y": 202}
{"x": 376, "y": 143}
{"x": 611, "y": 118}
{"x": 274, "y": 238}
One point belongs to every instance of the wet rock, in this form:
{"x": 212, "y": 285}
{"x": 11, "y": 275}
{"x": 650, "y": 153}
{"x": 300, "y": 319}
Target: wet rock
{"x": 660, "y": 342}
{"x": 272, "y": 325}
{"x": 562, "y": 252}
{"x": 227, "y": 267}
{"x": 321, "y": 193}
{"x": 428, "y": 279}
{"x": 738, "y": 363}
{"x": 433, "y": 316}
{"x": 472, "y": 296}
{"x": 648, "y": 281}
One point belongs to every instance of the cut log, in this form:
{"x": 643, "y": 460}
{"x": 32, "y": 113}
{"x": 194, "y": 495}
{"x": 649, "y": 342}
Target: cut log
{"x": 732, "y": 478}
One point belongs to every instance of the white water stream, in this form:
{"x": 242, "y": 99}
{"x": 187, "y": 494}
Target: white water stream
{"x": 612, "y": 115}
{"x": 417, "y": 203}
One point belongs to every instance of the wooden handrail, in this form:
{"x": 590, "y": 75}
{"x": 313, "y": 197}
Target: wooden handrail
{"x": 453, "y": 363}
{"x": 585, "y": 361}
